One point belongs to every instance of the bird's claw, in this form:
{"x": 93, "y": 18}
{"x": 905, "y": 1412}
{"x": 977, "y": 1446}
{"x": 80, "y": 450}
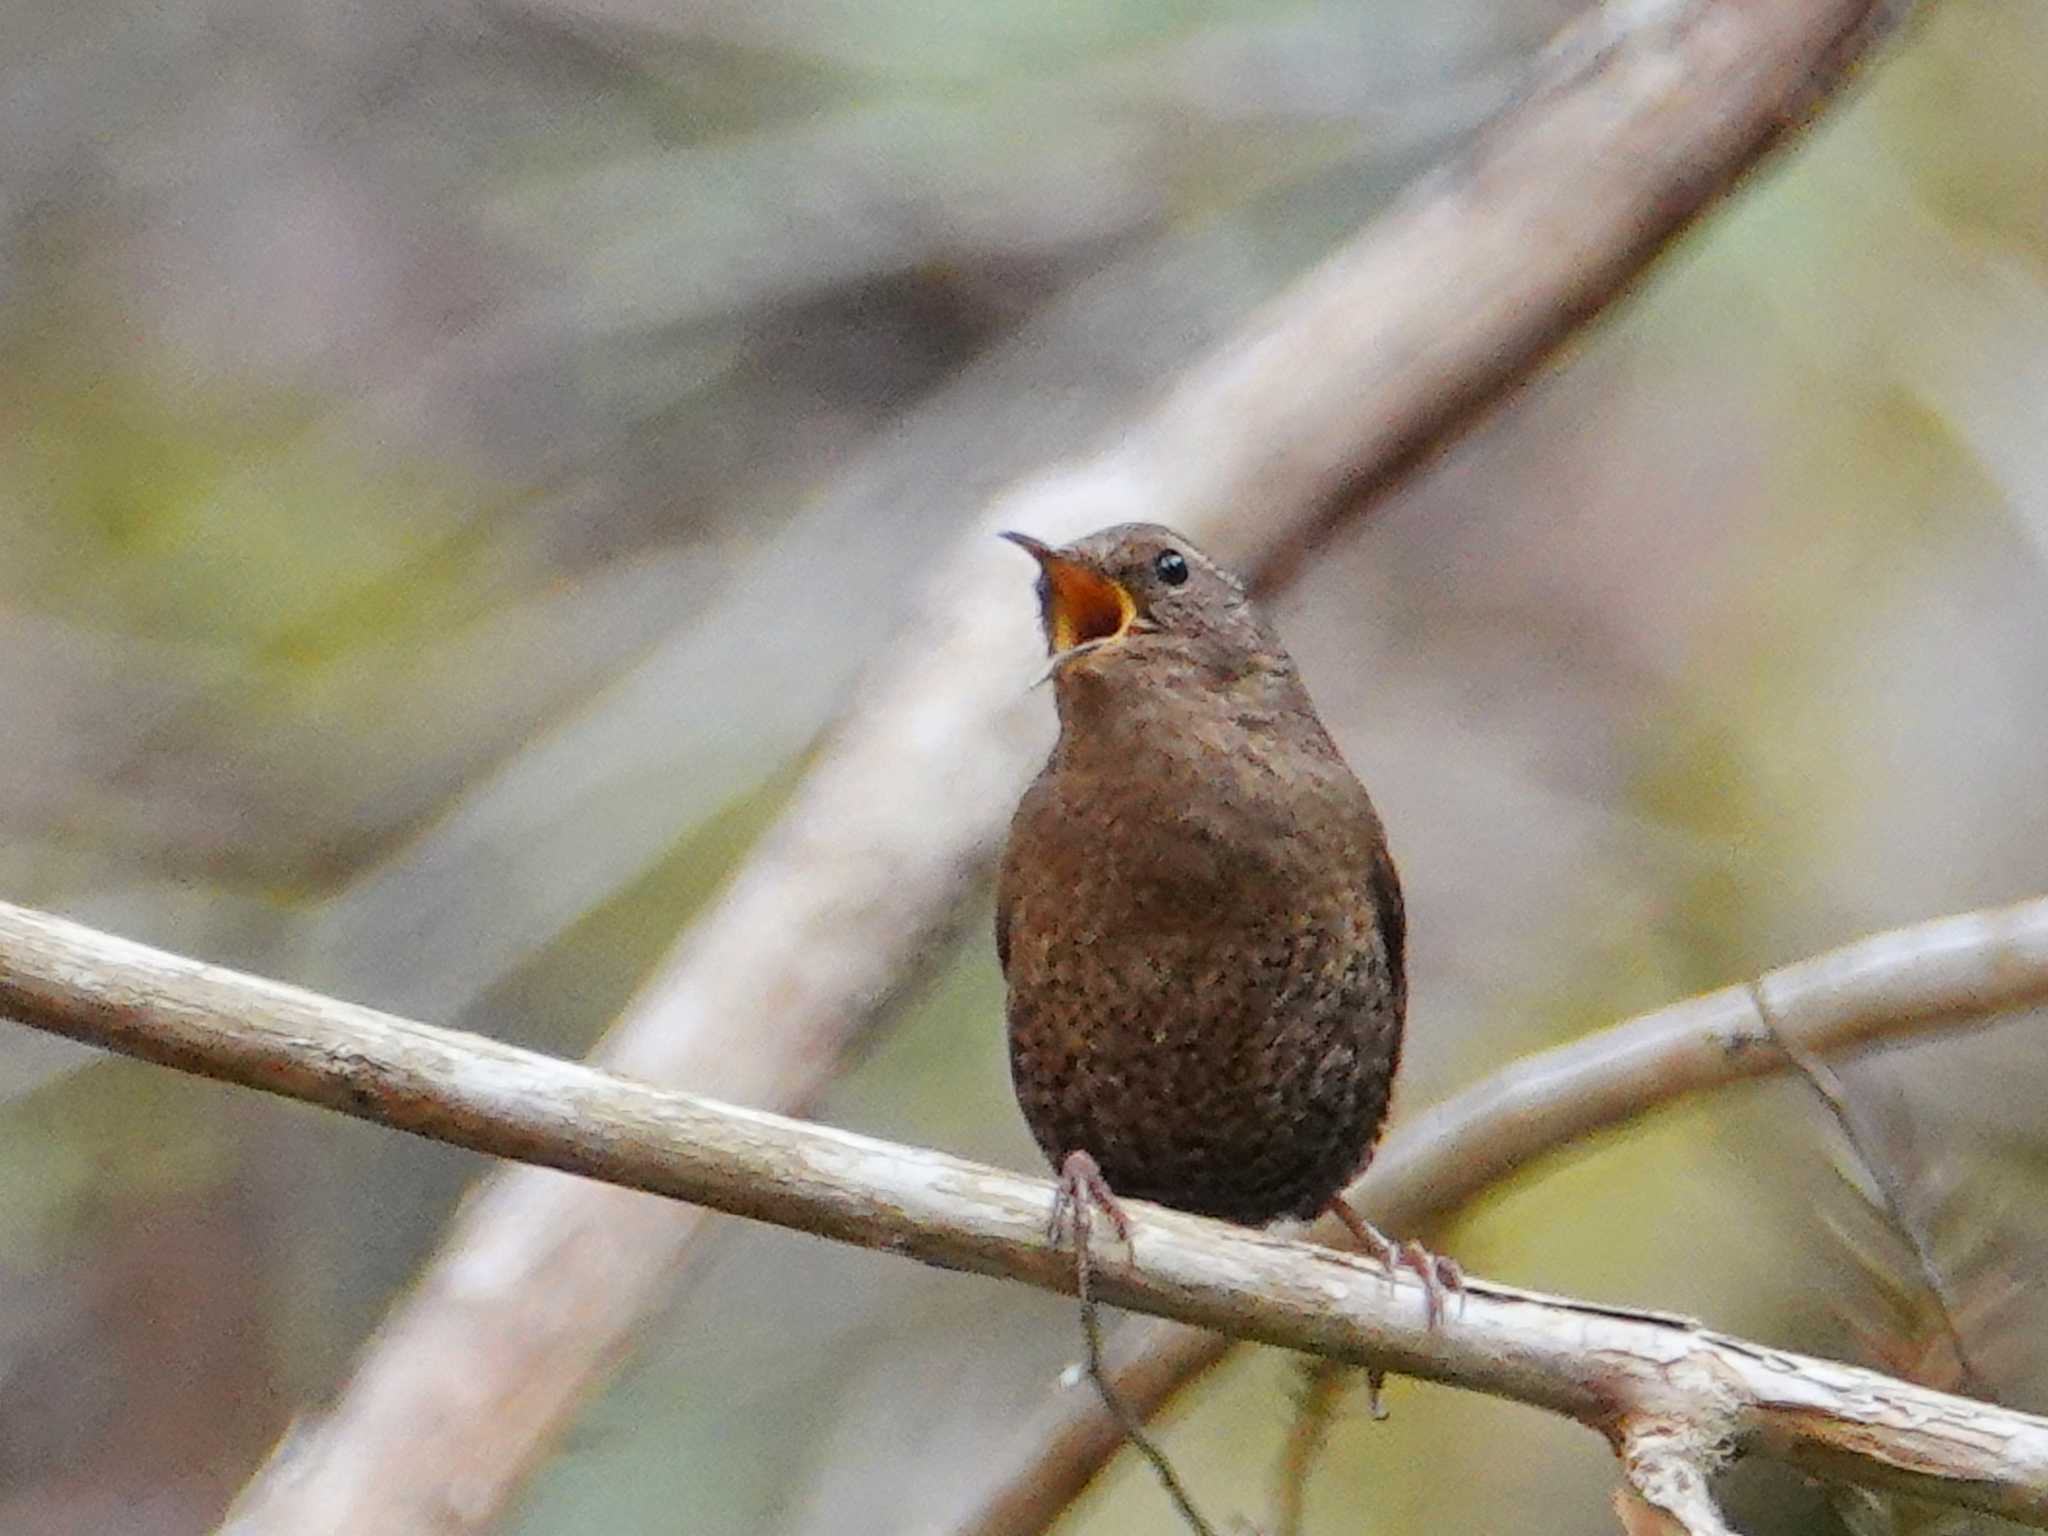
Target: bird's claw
{"x": 1440, "y": 1275}
{"x": 1080, "y": 1191}
{"x": 1375, "y": 1387}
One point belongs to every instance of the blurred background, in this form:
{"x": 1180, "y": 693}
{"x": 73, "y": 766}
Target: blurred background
{"x": 454, "y": 458}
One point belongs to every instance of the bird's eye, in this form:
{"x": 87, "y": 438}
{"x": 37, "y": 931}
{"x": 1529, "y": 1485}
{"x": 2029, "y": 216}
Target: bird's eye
{"x": 1171, "y": 566}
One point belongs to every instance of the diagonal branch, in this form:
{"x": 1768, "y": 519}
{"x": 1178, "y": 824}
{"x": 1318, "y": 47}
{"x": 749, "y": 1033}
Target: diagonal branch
{"x": 1674, "y": 1398}
{"x": 1632, "y": 125}
{"x": 1937, "y": 974}
{"x": 1893, "y": 1195}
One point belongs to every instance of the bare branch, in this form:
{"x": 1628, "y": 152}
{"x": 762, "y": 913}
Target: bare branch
{"x": 1664, "y": 1390}
{"x": 1091, "y": 1335}
{"x": 1640, "y": 1518}
{"x": 1669, "y": 1469}
{"x": 1892, "y": 1193}
{"x": 1953, "y": 970}
{"x": 1321, "y": 1390}
{"x": 1634, "y": 123}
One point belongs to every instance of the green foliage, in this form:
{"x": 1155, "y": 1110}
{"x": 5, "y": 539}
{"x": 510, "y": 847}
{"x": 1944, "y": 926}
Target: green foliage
{"x": 103, "y": 1143}
{"x": 234, "y": 523}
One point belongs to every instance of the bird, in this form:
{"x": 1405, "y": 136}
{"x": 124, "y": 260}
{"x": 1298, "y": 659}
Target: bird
{"x": 1198, "y": 919}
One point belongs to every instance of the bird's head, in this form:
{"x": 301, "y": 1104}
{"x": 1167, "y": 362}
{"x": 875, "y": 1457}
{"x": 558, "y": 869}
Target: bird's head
{"x": 1140, "y": 591}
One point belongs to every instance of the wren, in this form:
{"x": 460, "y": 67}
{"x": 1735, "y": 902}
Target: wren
{"x": 1197, "y": 914}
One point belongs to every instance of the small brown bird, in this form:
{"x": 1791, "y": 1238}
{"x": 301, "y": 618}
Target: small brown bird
{"x": 1197, "y": 914}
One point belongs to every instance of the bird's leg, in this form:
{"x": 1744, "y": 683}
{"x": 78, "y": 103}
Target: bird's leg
{"x": 1439, "y": 1274}
{"x": 1081, "y": 1191}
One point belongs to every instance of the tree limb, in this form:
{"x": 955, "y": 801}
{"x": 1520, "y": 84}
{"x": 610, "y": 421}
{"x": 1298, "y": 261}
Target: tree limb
{"x": 1669, "y": 1468}
{"x": 1936, "y": 974}
{"x": 1671, "y": 1396}
{"x": 1635, "y": 122}
{"x": 1893, "y": 1195}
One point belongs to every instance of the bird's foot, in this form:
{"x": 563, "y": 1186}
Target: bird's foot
{"x": 1439, "y": 1274}
{"x": 1080, "y": 1192}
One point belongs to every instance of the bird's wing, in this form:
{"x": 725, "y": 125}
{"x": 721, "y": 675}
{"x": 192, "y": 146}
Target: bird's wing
{"x": 1386, "y": 890}
{"x": 1003, "y": 927}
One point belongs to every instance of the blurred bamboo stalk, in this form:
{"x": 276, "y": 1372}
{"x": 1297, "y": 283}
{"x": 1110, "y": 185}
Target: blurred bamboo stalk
{"x": 1675, "y": 1399}
{"x": 1635, "y": 121}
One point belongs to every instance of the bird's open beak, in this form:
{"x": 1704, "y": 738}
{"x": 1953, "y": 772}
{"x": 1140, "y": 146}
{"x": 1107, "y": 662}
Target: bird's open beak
{"x": 1080, "y": 603}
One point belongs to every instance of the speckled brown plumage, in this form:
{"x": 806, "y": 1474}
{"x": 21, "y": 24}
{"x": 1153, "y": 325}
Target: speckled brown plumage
{"x": 1197, "y": 915}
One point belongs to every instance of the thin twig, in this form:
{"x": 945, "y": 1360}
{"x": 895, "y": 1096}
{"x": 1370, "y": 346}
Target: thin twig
{"x": 1863, "y": 1145}
{"x": 1611, "y": 1368}
{"x": 1133, "y": 1426}
{"x": 1322, "y": 1388}
{"x": 1315, "y": 1409}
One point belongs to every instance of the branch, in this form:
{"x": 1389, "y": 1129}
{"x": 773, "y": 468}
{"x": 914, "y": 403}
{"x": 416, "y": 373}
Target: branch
{"x": 1669, "y": 1465}
{"x": 1633, "y": 124}
{"x": 1323, "y": 1383}
{"x": 1951, "y": 971}
{"x": 1893, "y": 1195}
{"x": 1673, "y": 1397}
